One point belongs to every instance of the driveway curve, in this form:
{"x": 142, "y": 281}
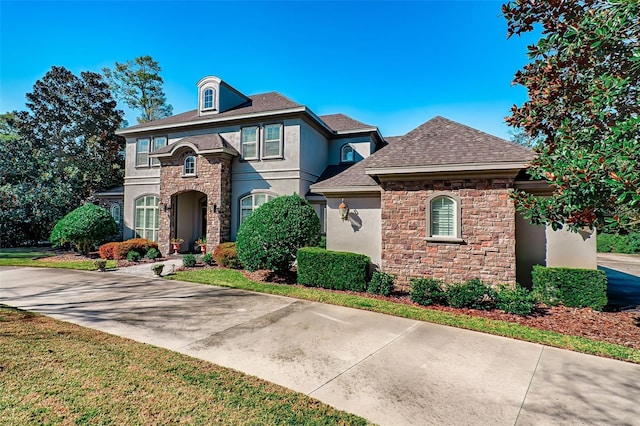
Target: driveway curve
{"x": 393, "y": 371}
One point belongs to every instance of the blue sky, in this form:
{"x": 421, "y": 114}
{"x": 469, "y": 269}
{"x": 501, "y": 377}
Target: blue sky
{"x": 390, "y": 64}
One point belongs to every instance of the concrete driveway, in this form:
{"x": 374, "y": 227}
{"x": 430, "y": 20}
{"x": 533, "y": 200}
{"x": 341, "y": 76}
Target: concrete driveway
{"x": 623, "y": 276}
{"x": 390, "y": 370}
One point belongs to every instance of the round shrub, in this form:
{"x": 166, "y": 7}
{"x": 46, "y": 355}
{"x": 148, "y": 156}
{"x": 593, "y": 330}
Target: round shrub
{"x": 108, "y": 250}
{"x": 152, "y": 253}
{"x": 381, "y": 283}
{"x": 189, "y": 261}
{"x": 133, "y": 256}
{"x": 516, "y": 300}
{"x": 207, "y": 259}
{"x": 86, "y": 226}
{"x": 226, "y": 254}
{"x": 472, "y": 294}
{"x": 427, "y": 291}
{"x": 270, "y": 237}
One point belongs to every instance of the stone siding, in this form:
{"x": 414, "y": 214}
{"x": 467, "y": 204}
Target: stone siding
{"x": 488, "y": 231}
{"x": 213, "y": 178}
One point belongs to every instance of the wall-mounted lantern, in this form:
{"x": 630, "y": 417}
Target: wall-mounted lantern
{"x": 214, "y": 208}
{"x": 344, "y": 210}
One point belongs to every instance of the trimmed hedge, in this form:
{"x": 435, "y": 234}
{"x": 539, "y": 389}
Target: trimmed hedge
{"x": 427, "y": 291}
{"x": 573, "y": 287}
{"x": 139, "y": 245}
{"x": 108, "y": 250}
{"x": 226, "y": 255}
{"x": 85, "y": 227}
{"x": 381, "y": 283}
{"x": 616, "y": 243}
{"x": 337, "y": 270}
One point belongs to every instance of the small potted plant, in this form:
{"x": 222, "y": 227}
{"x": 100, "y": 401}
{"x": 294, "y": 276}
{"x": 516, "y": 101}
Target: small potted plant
{"x": 202, "y": 243}
{"x": 175, "y": 243}
{"x": 157, "y": 268}
{"x": 100, "y": 264}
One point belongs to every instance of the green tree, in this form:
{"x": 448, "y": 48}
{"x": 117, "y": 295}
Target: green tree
{"x": 583, "y": 82}
{"x": 270, "y": 237}
{"x": 139, "y": 85}
{"x": 85, "y": 227}
{"x": 57, "y": 154}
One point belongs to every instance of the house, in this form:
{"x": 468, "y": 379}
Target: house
{"x": 434, "y": 202}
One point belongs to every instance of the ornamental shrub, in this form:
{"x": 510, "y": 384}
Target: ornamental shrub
{"x": 332, "y": 269}
{"x": 270, "y": 237}
{"x": 472, "y": 294}
{"x": 518, "y": 300}
{"x": 189, "y": 261}
{"x": 86, "y": 226}
{"x": 427, "y": 291}
{"x": 226, "y": 255}
{"x": 108, "y": 250}
{"x": 207, "y": 259}
{"x": 616, "y": 243}
{"x": 152, "y": 253}
{"x": 140, "y": 245}
{"x": 573, "y": 287}
{"x": 133, "y": 256}
{"x": 381, "y": 283}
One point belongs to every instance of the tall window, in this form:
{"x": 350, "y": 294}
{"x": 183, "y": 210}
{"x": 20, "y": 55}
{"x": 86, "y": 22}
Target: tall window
{"x": 250, "y": 143}
{"x": 146, "y": 220}
{"x": 145, "y": 146}
{"x": 251, "y": 202}
{"x": 444, "y": 220}
{"x": 189, "y": 166}
{"x": 347, "y": 154}
{"x": 207, "y": 98}
{"x": 115, "y": 212}
{"x": 272, "y": 140}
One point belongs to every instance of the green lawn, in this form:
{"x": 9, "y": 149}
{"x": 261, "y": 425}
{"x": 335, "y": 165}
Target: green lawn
{"x": 28, "y": 256}
{"x": 235, "y": 279}
{"x": 53, "y": 372}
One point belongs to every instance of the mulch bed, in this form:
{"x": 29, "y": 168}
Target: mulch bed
{"x": 622, "y": 328}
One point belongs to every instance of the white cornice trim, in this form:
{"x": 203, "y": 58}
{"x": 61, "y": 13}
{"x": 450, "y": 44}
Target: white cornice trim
{"x": 345, "y": 189}
{"x": 440, "y": 168}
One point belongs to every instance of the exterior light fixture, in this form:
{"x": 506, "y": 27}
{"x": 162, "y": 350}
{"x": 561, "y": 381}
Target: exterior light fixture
{"x": 344, "y": 210}
{"x": 214, "y": 208}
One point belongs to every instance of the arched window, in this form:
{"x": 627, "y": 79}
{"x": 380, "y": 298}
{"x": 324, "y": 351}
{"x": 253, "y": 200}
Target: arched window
{"x": 347, "y": 154}
{"x": 207, "y": 98}
{"x": 251, "y": 202}
{"x": 443, "y": 218}
{"x": 146, "y": 219}
{"x": 115, "y": 212}
{"x": 189, "y": 167}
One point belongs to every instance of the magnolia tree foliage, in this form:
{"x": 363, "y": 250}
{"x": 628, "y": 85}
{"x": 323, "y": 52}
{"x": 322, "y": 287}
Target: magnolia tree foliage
{"x": 583, "y": 82}
{"x": 86, "y": 226}
{"x": 56, "y": 154}
{"x": 139, "y": 85}
{"x": 271, "y": 236}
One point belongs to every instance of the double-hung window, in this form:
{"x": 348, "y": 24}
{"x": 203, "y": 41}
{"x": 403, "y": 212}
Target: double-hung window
{"x": 250, "y": 143}
{"x": 146, "y": 219}
{"x": 272, "y": 141}
{"x": 146, "y": 146}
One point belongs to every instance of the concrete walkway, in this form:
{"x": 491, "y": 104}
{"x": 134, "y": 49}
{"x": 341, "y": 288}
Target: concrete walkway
{"x": 393, "y": 371}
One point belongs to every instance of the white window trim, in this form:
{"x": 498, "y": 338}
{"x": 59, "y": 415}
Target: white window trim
{"x": 184, "y": 166}
{"x": 146, "y": 226}
{"x": 138, "y": 152}
{"x": 203, "y": 107}
{"x": 257, "y": 143}
{"x": 280, "y": 141}
{"x": 117, "y": 217}
{"x": 457, "y": 219}
{"x": 269, "y": 196}
{"x": 353, "y": 152}
{"x": 151, "y": 162}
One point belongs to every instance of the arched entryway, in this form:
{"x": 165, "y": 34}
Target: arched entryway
{"x": 189, "y": 218}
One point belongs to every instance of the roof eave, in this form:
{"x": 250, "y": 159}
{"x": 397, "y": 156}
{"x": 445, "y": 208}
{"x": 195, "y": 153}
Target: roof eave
{"x": 347, "y": 189}
{"x": 445, "y": 168}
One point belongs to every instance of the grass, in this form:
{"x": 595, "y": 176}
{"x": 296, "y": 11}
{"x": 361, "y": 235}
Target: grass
{"x": 235, "y": 279}
{"x": 54, "y": 372}
{"x": 34, "y": 257}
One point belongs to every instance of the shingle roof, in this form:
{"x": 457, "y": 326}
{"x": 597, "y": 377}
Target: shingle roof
{"x": 441, "y": 141}
{"x": 203, "y": 143}
{"x": 352, "y": 175}
{"x": 263, "y": 102}
{"x": 341, "y": 122}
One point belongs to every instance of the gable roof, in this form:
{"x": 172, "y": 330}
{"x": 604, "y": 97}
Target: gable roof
{"x": 441, "y": 141}
{"x": 340, "y": 123}
{"x": 201, "y": 144}
{"x": 260, "y": 103}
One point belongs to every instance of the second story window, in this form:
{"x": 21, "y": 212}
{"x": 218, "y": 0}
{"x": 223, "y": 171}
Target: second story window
{"x": 272, "y": 141}
{"x": 189, "y": 168}
{"x": 207, "y": 98}
{"x": 249, "y": 143}
{"x": 347, "y": 154}
{"x": 146, "y": 146}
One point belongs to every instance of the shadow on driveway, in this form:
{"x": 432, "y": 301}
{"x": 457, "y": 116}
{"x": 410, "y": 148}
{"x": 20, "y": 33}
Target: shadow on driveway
{"x": 623, "y": 290}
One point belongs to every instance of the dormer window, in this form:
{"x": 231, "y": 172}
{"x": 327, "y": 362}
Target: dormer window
{"x": 207, "y": 98}
{"x": 347, "y": 154}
